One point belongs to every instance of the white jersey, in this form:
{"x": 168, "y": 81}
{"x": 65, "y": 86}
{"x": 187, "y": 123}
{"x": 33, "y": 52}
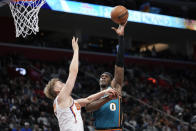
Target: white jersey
{"x": 69, "y": 119}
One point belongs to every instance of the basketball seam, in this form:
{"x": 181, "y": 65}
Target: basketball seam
{"x": 123, "y": 15}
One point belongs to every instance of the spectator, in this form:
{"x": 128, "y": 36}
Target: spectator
{"x": 26, "y": 127}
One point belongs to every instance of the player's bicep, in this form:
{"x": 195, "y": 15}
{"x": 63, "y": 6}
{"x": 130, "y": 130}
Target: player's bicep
{"x": 113, "y": 83}
{"x": 82, "y": 102}
{"x": 116, "y": 86}
{"x": 118, "y": 75}
{"x": 68, "y": 87}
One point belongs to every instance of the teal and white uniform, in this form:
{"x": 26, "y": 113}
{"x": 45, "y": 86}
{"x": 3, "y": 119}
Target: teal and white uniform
{"x": 109, "y": 115}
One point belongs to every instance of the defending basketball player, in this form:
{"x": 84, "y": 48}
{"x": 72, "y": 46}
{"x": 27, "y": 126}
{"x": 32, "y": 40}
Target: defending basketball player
{"x": 66, "y": 109}
{"x": 107, "y": 112}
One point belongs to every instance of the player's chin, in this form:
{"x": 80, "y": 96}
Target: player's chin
{"x": 103, "y": 85}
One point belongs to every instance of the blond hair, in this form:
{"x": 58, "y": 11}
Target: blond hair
{"x": 49, "y": 89}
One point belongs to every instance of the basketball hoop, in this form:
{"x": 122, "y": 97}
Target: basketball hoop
{"x": 25, "y": 14}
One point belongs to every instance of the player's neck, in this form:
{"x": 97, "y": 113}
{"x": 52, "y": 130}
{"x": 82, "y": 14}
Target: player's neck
{"x": 103, "y": 87}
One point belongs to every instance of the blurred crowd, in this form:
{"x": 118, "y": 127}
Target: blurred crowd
{"x": 107, "y": 45}
{"x": 154, "y": 98}
{"x": 161, "y": 99}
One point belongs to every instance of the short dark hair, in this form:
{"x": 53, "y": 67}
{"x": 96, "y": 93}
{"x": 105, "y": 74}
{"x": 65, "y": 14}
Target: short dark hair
{"x": 109, "y": 74}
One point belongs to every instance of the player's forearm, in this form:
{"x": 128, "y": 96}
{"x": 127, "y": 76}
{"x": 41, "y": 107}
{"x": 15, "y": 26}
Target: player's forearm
{"x": 73, "y": 70}
{"x": 74, "y": 63}
{"x": 95, "y": 105}
{"x": 119, "y": 66}
{"x": 119, "y": 75}
{"x": 120, "y": 52}
{"x": 85, "y": 101}
{"x": 96, "y": 96}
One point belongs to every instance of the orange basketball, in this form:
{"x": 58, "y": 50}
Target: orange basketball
{"x": 119, "y": 14}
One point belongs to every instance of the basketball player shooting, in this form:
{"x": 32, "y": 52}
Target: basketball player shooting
{"x": 107, "y": 112}
{"x": 66, "y": 109}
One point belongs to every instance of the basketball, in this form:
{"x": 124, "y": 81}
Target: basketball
{"x": 119, "y": 14}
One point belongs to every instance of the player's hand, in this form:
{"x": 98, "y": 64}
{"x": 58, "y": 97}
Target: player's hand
{"x": 120, "y": 30}
{"x": 112, "y": 94}
{"x": 75, "y": 43}
{"x": 115, "y": 96}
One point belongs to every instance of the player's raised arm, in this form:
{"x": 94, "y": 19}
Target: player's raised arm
{"x": 119, "y": 66}
{"x": 118, "y": 79}
{"x": 73, "y": 71}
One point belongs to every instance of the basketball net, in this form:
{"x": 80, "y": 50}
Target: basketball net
{"x": 25, "y": 14}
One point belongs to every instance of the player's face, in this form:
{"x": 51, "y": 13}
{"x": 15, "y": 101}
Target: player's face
{"x": 104, "y": 80}
{"x": 58, "y": 86}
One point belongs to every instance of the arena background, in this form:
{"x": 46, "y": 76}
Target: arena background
{"x": 160, "y": 77}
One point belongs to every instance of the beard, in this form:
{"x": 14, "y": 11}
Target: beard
{"x": 103, "y": 86}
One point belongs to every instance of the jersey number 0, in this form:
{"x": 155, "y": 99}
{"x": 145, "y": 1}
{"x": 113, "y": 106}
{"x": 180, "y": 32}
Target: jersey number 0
{"x": 112, "y": 106}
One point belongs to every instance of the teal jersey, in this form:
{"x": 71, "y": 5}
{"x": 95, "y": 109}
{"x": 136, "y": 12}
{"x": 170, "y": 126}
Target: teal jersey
{"x": 109, "y": 115}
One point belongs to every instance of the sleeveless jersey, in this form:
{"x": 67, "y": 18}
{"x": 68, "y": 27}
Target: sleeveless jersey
{"x": 109, "y": 115}
{"x": 69, "y": 118}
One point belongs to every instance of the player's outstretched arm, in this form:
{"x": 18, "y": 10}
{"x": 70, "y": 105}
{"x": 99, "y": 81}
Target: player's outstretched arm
{"x": 95, "y": 105}
{"x": 117, "y": 82}
{"x": 73, "y": 71}
{"x": 110, "y": 93}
